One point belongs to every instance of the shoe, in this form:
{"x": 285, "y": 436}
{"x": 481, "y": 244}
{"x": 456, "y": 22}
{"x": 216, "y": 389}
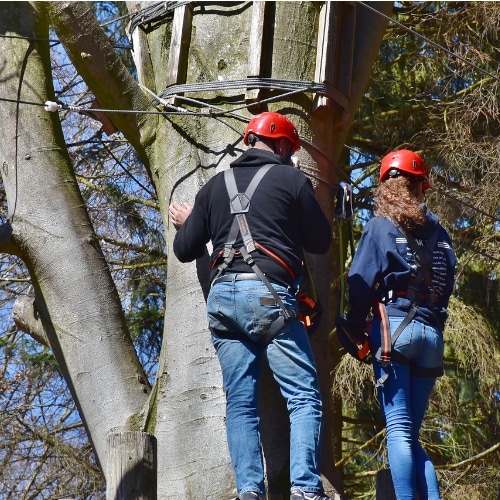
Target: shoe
{"x": 298, "y": 494}
{"x": 252, "y": 495}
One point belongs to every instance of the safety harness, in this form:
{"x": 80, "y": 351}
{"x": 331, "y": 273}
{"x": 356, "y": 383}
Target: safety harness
{"x": 422, "y": 278}
{"x": 240, "y": 205}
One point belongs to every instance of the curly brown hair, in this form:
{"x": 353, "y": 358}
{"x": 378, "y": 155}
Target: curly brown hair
{"x": 396, "y": 198}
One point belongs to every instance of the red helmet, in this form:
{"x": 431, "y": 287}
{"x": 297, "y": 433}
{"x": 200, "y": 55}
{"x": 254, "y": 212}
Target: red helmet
{"x": 404, "y": 162}
{"x": 273, "y": 126}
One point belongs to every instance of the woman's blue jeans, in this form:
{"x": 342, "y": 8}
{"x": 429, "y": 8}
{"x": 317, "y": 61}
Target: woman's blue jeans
{"x": 238, "y": 318}
{"x": 404, "y": 398}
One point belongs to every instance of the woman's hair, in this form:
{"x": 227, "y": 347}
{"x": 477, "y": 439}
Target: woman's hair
{"x": 396, "y": 198}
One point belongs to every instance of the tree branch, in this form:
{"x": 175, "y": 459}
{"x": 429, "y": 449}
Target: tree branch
{"x": 469, "y": 460}
{"x": 102, "y": 70}
{"x": 26, "y": 319}
{"x": 7, "y": 242}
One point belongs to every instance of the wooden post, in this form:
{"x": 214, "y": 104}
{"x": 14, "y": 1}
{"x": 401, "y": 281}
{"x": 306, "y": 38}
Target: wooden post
{"x": 179, "y": 45}
{"x": 255, "y": 47}
{"x": 334, "y": 53}
{"x": 131, "y": 466}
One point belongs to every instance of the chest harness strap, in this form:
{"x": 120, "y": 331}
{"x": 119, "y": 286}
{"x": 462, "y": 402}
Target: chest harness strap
{"x": 240, "y": 205}
{"x": 423, "y": 260}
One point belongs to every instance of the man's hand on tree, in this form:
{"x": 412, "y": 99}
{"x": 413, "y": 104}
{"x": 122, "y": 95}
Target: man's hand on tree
{"x": 179, "y": 212}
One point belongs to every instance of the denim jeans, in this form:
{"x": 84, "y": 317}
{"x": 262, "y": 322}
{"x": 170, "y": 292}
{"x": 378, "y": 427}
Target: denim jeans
{"x": 404, "y": 398}
{"x": 238, "y": 318}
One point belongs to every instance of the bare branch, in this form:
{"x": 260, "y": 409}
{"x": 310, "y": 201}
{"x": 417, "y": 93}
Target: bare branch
{"x": 27, "y": 320}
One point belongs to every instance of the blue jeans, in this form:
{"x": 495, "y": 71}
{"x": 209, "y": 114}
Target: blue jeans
{"x": 404, "y": 398}
{"x": 238, "y": 318}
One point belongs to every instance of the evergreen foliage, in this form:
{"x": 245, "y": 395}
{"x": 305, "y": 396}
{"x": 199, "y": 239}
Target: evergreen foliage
{"x": 425, "y": 99}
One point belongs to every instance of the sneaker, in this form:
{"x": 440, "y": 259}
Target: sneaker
{"x": 252, "y": 495}
{"x": 298, "y": 494}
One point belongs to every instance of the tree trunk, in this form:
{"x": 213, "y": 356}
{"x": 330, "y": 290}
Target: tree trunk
{"x": 49, "y": 228}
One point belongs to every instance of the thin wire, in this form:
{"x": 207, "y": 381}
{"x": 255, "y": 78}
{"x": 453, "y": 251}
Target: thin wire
{"x": 430, "y": 42}
{"x": 30, "y": 38}
{"x": 125, "y": 169}
{"x": 468, "y": 205}
{"x": 18, "y": 101}
{"x": 479, "y": 252}
{"x": 231, "y": 112}
{"x": 57, "y": 42}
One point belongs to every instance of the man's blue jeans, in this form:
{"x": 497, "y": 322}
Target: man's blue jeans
{"x": 238, "y": 318}
{"x": 404, "y": 398}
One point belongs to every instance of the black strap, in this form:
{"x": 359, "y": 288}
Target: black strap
{"x": 239, "y": 204}
{"x": 423, "y": 256}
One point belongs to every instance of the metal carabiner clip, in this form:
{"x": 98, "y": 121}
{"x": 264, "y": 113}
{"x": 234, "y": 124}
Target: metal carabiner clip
{"x": 344, "y": 208}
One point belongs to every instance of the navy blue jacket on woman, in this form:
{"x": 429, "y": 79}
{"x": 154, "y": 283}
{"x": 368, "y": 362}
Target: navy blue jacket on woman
{"x": 383, "y": 266}
{"x": 284, "y": 217}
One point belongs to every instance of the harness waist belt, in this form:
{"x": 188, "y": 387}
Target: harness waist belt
{"x": 236, "y": 277}
{"x": 422, "y": 298}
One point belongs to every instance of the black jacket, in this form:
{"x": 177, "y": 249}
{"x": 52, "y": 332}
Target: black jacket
{"x": 284, "y": 217}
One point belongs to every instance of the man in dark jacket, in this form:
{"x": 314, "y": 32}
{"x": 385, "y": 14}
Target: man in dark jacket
{"x": 251, "y": 305}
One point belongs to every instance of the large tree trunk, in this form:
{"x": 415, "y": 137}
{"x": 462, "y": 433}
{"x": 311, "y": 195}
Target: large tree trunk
{"x": 219, "y": 42}
{"x": 48, "y": 227}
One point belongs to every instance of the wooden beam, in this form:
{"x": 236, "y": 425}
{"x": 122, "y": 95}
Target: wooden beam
{"x": 346, "y": 55}
{"x": 179, "y": 45}
{"x": 255, "y": 47}
{"x": 325, "y": 51}
{"x": 142, "y": 59}
{"x": 334, "y": 54}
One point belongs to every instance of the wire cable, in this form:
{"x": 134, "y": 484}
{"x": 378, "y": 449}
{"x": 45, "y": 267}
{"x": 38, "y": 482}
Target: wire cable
{"x": 432, "y": 43}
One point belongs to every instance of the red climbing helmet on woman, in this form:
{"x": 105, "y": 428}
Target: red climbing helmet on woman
{"x": 274, "y": 126}
{"x": 404, "y": 162}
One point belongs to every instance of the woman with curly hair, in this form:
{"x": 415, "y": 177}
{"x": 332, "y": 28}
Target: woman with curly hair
{"x": 410, "y": 292}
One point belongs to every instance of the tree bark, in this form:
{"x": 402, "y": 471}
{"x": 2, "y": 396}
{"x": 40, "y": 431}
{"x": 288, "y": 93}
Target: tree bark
{"x": 75, "y": 297}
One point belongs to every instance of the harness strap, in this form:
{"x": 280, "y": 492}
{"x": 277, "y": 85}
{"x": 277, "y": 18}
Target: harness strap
{"x": 384, "y": 353}
{"x": 286, "y": 314}
{"x": 423, "y": 259}
{"x": 240, "y": 205}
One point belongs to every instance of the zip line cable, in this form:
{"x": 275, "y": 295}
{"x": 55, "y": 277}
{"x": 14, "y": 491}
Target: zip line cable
{"x": 31, "y": 38}
{"x": 440, "y": 190}
{"x": 468, "y": 205}
{"x": 57, "y": 42}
